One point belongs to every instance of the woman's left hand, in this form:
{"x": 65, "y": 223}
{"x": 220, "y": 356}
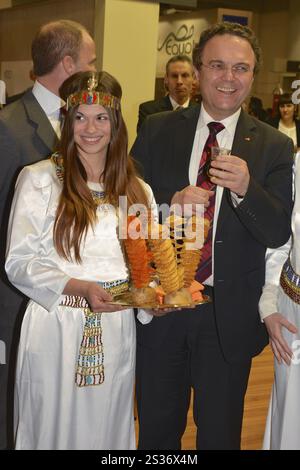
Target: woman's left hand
{"x": 274, "y": 323}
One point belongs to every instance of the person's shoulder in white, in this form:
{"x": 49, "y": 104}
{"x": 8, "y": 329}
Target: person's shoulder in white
{"x": 40, "y": 173}
{"x": 147, "y": 189}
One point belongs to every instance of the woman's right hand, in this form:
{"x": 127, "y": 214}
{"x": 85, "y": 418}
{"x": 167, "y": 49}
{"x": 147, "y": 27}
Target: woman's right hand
{"x": 97, "y": 297}
{"x": 280, "y": 347}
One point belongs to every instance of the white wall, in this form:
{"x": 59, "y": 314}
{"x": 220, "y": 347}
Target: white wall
{"x": 16, "y": 75}
{"x": 126, "y": 34}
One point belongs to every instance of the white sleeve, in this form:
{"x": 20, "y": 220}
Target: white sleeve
{"x": 144, "y": 316}
{"x": 236, "y": 200}
{"x": 28, "y": 265}
{"x": 275, "y": 259}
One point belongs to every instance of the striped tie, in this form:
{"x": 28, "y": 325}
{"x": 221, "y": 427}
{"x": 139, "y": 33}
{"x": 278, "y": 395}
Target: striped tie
{"x": 203, "y": 181}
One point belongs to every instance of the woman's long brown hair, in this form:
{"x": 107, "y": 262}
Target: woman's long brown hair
{"x": 76, "y": 210}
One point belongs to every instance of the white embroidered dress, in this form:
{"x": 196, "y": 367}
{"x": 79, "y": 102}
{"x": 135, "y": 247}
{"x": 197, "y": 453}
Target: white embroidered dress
{"x": 283, "y": 422}
{"x": 52, "y": 412}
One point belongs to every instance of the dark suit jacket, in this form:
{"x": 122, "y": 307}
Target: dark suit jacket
{"x": 163, "y": 147}
{"x": 155, "y": 106}
{"x": 26, "y": 136}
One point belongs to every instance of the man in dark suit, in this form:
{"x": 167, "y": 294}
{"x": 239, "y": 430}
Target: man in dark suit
{"x": 211, "y": 346}
{"x": 29, "y": 130}
{"x": 179, "y": 81}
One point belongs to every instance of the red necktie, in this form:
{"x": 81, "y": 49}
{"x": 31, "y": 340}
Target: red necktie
{"x": 203, "y": 181}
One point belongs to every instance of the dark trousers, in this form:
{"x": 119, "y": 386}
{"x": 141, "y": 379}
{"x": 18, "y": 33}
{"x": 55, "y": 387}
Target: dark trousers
{"x": 174, "y": 353}
{"x": 9, "y": 337}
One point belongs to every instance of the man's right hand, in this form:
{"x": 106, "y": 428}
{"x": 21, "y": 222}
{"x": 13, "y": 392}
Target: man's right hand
{"x": 192, "y": 199}
{"x": 280, "y": 348}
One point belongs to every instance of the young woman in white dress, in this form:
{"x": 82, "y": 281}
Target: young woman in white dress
{"x": 75, "y": 370}
{"x": 280, "y": 310}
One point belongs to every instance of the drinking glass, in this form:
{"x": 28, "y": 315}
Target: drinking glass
{"x": 215, "y": 151}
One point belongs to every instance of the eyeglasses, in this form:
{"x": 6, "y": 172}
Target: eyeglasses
{"x": 219, "y": 67}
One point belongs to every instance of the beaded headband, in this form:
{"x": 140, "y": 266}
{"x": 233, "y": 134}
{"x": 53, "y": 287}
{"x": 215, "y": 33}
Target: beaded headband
{"x": 90, "y": 96}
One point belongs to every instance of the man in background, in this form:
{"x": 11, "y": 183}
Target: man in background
{"x": 179, "y": 82}
{"x": 29, "y": 130}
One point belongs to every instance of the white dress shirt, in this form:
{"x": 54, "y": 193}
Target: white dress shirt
{"x": 50, "y": 103}
{"x": 175, "y": 104}
{"x": 224, "y": 139}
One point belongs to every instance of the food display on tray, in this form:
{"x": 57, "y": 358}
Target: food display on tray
{"x": 163, "y": 261}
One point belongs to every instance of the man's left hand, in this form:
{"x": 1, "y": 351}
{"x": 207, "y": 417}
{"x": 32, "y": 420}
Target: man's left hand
{"x": 230, "y": 172}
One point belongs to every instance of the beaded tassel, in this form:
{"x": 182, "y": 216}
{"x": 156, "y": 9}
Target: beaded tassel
{"x": 90, "y": 364}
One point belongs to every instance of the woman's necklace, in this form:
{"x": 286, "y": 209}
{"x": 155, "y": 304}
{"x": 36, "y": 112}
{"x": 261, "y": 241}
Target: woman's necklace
{"x": 99, "y": 197}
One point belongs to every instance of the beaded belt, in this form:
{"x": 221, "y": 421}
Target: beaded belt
{"x": 74, "y": 301}
{"x": 90, "y": 363}
{"x": 290, "y": 282}
{"x": 115, "y": 287}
